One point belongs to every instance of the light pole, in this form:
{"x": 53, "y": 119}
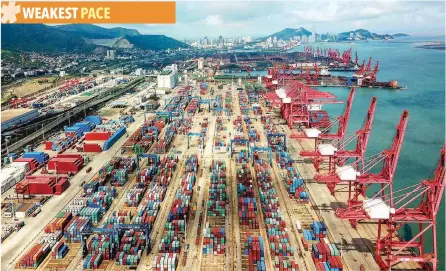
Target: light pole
{"x": 7, "y": 139}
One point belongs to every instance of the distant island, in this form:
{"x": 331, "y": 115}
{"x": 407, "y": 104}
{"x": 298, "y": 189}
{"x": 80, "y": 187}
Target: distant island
{"x": 362, "y": 34}
{"x": 398, "y": 35}
{"x": 434, "y": 46}
{"x": 304, "y": 35}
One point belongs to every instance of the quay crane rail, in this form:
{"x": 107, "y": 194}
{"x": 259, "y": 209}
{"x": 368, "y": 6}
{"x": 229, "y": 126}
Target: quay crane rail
{"x": 338, "y": 156}
{"x": 363, "y": 179}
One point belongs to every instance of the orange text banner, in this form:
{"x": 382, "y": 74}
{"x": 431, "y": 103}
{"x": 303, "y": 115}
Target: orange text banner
{"x": 91, "y": 12}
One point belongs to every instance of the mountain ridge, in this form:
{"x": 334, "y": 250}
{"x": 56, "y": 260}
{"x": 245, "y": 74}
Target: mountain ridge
{"x": 114, "y": 32}
{"x": 42, "y": 38}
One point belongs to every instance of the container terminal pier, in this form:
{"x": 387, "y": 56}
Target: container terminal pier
{"x": 208, "y": 175}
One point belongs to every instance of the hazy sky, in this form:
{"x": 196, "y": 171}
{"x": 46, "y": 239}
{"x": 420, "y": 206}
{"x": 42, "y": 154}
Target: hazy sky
{"x": 243, "y": 18}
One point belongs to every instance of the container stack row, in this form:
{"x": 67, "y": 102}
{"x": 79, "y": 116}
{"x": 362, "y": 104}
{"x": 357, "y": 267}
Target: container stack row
{"x": 326, "y": 256}
{"x": 163, "y": 144}
{"x": 253, "y": 247}
{"x": 214, "y": 232}
{"x": 177, "y": 218}
{"x": 216, "y": 204}
{"x": 247, "y": 203}
{"x": 192, "y": 106}
{"x": 37, "y": 253}
{"x": 228, "y": 101}
{"x": 294, "y": 184}
{"x": 131, "y": 247}
{"x": 276, "y": 227}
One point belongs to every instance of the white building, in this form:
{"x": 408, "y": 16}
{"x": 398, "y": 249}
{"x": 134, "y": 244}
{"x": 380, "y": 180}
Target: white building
{"x": 312, "y": 37}
{"x": 168, "y": 77}
{"x": 139, "y": 72}
{"x": 111, "y": 54}
{"x": 201, "y": 63}
{"x": 62, "y": 74}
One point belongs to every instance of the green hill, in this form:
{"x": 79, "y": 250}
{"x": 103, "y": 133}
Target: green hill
{"x": 78, "y": 38}
{"x": 289, "y": 33}
{"x": 89, "y": 29}
{"x": 41, "y": 38}
{"x": 155, "y": 42}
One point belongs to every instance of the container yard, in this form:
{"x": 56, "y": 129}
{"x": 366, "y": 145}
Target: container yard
{"x": 218, "y": 177}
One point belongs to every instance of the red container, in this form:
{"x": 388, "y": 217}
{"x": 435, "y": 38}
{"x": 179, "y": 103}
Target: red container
{"x": 66, "y": 163}
{"x": 89, "y": 147}
{"x": 61, "y": 186}
{"x": 97, "y": 135}
{"x": 48, "y": 145}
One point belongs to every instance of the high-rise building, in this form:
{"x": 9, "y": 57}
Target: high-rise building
{"x": 111, "y": 54}
{"x": 220, "y": 41}
{"x": 201, "y": 63}
{"x": 312, "y": 37}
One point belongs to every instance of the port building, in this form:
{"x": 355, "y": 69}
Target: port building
{"x": 168, "y": 77}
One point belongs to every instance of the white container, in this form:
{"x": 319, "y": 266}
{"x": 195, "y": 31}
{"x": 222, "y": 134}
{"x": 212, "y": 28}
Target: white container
{"x": 312, "y": 132}
{"x": 20, "y": 214}
{"x": 298, "y": 225}
{"x": 286, "y": 100}
{"x": 326, "y": 149}
{"x": 24, "y": 165}
{"x": 347, "y": 173}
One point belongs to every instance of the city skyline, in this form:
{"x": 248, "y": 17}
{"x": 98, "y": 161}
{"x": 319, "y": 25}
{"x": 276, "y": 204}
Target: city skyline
{"x": 258, "y": 19}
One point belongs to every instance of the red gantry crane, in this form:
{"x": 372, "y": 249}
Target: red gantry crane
{"x": 341, "y": 121}
{"x": 298, "y": 100}
{"x": 390, "y": 250}
{"x": 336, "y": 150}
{"x": 360, "y": 177}
{"x": 398, "y": 209}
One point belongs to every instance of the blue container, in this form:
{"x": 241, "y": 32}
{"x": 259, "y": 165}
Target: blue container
{"x": 85, "y": 126}
{"x": 115, "y": 137}
{"x": 41, "y": 157}
{"x": 94, "y": 119}
{"x": 75, "y": 129}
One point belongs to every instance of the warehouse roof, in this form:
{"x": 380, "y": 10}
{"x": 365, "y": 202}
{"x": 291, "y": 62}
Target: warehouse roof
{"x": 12, "y": 113}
